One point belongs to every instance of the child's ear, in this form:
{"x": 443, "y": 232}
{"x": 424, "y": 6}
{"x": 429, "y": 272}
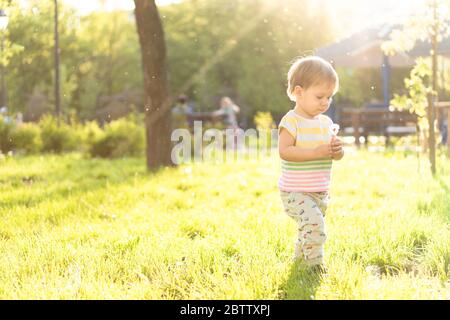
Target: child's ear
{"x": 298, "y": 90}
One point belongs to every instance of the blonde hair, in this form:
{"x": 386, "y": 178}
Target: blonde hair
{"x": 309, "y": 71}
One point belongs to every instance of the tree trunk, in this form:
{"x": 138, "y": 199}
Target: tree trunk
{"x": 157, "y": 101}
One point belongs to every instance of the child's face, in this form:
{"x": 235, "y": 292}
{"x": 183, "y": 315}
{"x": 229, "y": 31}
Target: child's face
{"x": 316, "y": 99}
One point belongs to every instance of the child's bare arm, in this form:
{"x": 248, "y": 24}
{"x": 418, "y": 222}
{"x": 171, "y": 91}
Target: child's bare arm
{"x": 289, "y": 152}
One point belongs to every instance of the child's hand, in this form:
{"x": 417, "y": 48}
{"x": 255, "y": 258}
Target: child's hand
{"x": 324, "y": 151}
{"x": 336, "y": 148}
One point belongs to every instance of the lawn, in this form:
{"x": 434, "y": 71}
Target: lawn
{"x": 76, "y": 228}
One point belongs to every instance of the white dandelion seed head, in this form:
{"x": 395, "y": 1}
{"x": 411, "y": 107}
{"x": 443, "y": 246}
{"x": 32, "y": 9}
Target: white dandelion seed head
{"x": 334, "y": 129}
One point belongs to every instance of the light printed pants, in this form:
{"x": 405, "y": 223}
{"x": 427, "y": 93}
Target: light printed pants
{"x": 308, "y": 210}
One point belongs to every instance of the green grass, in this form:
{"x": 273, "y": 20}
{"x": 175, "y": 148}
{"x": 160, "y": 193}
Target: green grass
{"x": 75, "y": 228}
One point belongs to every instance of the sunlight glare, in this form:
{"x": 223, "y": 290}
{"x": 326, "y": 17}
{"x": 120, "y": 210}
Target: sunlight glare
{"x": 354, "y": 15}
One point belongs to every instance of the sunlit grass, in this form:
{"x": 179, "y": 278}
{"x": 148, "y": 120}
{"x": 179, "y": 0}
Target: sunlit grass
{"x": 74, "y": 228}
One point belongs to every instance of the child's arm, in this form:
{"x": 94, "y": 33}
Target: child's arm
{"x": 289, "y": 152}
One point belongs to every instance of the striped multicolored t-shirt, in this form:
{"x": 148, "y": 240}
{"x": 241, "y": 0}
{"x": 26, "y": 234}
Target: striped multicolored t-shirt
{"x": 306, "y": 176}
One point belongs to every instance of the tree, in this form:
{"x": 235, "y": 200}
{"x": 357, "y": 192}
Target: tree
{"x": 431, "y": 25}
{"x": 31, "y": 69}
{"x": 109, "y": 61}
{"x": 157, "y": 101}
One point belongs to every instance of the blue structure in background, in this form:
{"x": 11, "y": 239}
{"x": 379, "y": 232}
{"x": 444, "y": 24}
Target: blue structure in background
{"x": 386, "y": 74}
{"x": 4, "y": 112}
{"x": 331, "y": 112}
{"x": 443, "y": 128}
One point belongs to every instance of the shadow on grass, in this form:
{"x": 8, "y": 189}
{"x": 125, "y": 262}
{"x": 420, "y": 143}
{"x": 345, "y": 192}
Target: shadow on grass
{"x": 301, "y": 284}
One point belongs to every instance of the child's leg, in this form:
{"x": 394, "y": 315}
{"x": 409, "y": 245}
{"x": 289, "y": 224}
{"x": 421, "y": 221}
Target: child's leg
{"x": 313, "y": 232}
{"x": 311, "y": 226}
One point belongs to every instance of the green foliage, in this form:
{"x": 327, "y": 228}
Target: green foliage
{"x": 418, "y": 90}
{"x": 57, "y": 137}
{"x": 31, "y": 27}
{"x": 109, "y": 60}
{"x": 264, "y": 124}
{"x": 27, "y": 137}
{"x": 119, "y": 138}
{"x": 89, "y": 132}
{"x": 99, "y": 56}
{"x": 10, "y": 49}
{"x": 264, "y": 121}
{"x": 123, "y": 137}
{"x": 6, "y": 128}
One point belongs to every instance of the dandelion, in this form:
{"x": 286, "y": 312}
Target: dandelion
{"x": 334, "y": 129}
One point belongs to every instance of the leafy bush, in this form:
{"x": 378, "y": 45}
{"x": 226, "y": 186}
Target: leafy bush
{"x": 123, "y": 137}
{"x": 88, "y": 134}
{"x": 264, "y": 124}
{"x": 6, "y": 128}
{"x": 27, "y": 137}
{"x": 418, "y": 89}
{"x": 57, "y": 138}
{"x": 264, "y": 121}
